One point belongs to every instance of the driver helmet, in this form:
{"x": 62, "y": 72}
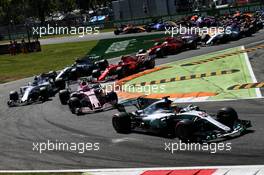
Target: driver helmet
{"x": 84, "y": 85}
{"x": 78, "y": 60}
{"x": 141, "y": 51}
{"x": 35, "y": 78}
{"x": 35, "y": 81}
{"x": 175, "y": 108}
{"x": 120, "y": 62}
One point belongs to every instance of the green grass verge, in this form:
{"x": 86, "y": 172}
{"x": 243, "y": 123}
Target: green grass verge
{"x": 57, "y": 56}
{"x": 6, "y": 41}
{"x": 52, "y": 57}
{"x": 215, "y": 84}
{"x": 135, "y": 43}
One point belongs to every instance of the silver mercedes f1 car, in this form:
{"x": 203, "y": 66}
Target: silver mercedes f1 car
{"x": 189, "y": 124}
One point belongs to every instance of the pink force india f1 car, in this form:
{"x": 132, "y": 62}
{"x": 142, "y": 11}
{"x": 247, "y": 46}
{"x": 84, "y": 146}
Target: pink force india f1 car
{"x": 89, "y": 98}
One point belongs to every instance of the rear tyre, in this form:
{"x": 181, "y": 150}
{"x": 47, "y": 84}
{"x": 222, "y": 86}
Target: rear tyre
{"x": 96, "y": 73}
{"x": 64, "y": 96}
{"x": 205, "y": 38}
{"x": 102, "y": 65}
{"x": 52, "y": 75}
{"x": 118, "y": 72}
{"x": 248, "y": 33}
{"x": 121, "y": 72}
{"x": 227, "y": 116}
{"x": 112, "y": 98}
{"x": 13, "y": 96}
{"x": 151, "y": 64}
{"x": 60, "y": 84}
{"x": 148, "y": 29}
{"x": 74, "y": 74}
{"x": 74, "y": 103}
{"x": 160, "y": 53}
{"x": 193, "y": 46}
{"x": 122, "y": 123}
{"x": 184, "y": 130}
{"x": 105, "y": 64}
{"x": 116, "y": 32}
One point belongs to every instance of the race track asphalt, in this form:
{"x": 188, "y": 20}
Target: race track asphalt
{"x": 89, "y": 37}
{"x": 21, "y": 126}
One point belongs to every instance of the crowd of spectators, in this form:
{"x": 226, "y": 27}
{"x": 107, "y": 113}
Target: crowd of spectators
{"x": 23, "y": 47}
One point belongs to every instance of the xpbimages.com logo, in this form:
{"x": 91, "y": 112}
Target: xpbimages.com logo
{"x": 59, "y": 30}
{"x": 146, "y": 90}
{"x": 182, "y": 30}
{"x": 80, "y": 147}
{"x": 205, "y": 147}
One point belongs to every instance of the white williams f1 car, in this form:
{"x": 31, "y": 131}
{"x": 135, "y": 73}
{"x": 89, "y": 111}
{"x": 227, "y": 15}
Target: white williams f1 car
{"x": 190, "y": 124}
{"x": 39, "y": 90}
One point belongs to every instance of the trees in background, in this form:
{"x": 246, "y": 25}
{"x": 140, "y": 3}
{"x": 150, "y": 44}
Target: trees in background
{"x": 16, "y": 11}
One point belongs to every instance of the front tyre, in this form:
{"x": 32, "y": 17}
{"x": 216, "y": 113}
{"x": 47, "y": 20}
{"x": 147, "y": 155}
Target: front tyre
{"x": 184, "y": 130}
{"x": 13, "y": 96}
{"x": 74, "y": 104}
{"x": 122, "y": 123}
{"x": 10, "y": 103}
{"x": 227, "y": 116}
{"x": 64, "y": 96}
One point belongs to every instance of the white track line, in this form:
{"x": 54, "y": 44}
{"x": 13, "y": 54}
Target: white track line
{"x": 221, "y": 170}
{"x": 253, "y": 77}
{"x": 136, "y": 170}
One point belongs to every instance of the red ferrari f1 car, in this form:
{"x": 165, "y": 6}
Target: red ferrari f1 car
{"x": 127, "y": 66}
{"x": 173, "y": 45}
